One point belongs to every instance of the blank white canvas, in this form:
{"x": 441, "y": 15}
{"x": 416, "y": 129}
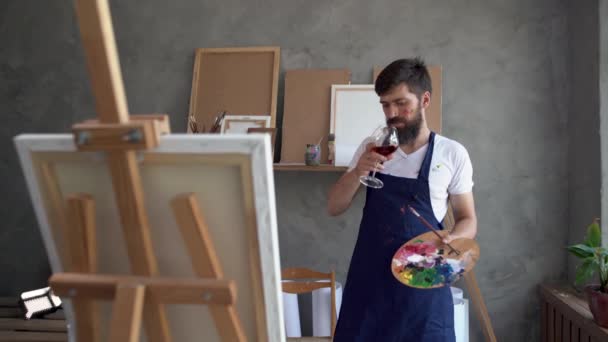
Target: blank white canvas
{"x": 355, "y": 113}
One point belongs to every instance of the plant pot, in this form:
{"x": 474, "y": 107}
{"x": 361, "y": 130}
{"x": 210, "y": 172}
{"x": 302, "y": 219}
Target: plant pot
{"x": 598, "y": 303}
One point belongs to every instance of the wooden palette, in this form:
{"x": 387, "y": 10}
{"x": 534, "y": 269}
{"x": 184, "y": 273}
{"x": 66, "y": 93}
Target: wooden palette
{"x": 433, "y": 277}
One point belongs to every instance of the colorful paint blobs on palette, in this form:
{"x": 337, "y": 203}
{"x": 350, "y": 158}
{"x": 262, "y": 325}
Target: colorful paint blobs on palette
{"x": 422, "y": 265}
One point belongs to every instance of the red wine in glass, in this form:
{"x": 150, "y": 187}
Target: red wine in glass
{"x": 386, "y": 142}
{"x": 385, "y": 150}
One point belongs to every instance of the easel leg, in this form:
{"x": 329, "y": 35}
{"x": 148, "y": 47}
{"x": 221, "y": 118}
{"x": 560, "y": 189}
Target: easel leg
{"x": 95, "y": 23}
{"x": 480, "y": 306}
{"x": 126, "y": 314}
{"x": 86, "y": 320}
{"x": 82, "y": 251}
{"x": 136, "y": 228}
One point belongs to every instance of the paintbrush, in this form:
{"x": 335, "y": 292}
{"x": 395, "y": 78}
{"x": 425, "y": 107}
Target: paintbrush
{"x": 429, "y": 226}
{"x": 217, "y": 124}
{"x": 193, "y": 124}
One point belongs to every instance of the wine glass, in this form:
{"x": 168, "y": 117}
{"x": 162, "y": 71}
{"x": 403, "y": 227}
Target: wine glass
{"x": 386, "y": 142}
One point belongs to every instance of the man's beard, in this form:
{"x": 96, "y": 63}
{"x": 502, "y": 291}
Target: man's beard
{"x": 407, "y": 130}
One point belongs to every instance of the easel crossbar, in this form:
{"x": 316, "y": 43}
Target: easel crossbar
{"x": 164, "y": 290}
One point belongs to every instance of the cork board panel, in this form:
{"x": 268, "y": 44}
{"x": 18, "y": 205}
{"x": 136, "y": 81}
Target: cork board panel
{"x": 241, "y": 81}
{"x": 434, "y": 112}
{"x": 306, "y": 114}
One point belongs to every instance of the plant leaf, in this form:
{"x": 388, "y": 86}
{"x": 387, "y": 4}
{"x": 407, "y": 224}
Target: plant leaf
{"x": 594, "y": 235}
{"x": 586, "y": 270}
{"x": 581, "y": 251}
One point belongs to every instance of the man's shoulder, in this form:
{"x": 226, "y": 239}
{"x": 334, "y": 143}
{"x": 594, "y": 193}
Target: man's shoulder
{"x": 449, "y": 146}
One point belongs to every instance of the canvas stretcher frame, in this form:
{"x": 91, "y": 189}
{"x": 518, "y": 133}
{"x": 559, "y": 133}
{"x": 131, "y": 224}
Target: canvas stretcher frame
{"x": 245, "y": 159}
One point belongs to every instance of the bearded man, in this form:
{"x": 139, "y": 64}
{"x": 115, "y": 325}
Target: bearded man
{"x": 427, "y": 172}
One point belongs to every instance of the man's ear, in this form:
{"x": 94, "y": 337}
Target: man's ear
{"x": 425, "y": 99}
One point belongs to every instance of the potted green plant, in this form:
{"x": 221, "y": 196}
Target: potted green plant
{"x": 595, "y": 259}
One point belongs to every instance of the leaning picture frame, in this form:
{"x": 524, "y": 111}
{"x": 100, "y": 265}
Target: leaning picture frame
{"x": 219, "y": 73}
{"x": 240, "y": 124}
{"x": 355, "y": 113}
{"x": 231, "y": 178}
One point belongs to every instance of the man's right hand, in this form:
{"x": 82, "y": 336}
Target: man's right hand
{"x": 342, "y": 193}
{"x": 370, "y": 160}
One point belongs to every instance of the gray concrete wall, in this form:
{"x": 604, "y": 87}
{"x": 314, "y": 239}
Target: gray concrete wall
{"x": 506, "y": 98}
{"x": 583, "y": 126}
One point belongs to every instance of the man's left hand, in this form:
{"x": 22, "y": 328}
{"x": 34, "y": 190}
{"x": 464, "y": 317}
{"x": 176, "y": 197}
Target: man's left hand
{"x": 449, "y": 238}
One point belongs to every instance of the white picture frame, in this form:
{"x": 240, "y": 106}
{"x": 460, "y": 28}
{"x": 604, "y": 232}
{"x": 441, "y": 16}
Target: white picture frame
{"x": 239, "y": 124}
{"x": 355, "y": 113}
{"x": 232, "y": 179}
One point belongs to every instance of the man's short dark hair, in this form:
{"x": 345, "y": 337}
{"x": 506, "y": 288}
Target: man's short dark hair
{"x": 411, "y": 71}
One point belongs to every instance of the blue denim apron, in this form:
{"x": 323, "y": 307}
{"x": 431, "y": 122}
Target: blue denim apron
{"x": 375, "y": 306}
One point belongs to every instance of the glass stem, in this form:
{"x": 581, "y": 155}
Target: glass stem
{"x": 375, "y": 168}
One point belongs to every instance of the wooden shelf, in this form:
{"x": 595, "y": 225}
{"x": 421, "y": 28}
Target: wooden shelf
{"x": 13, "y": 326}
{"x": 303, "y": 167}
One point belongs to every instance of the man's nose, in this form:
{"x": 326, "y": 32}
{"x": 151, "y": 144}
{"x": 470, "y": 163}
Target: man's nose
{"x": 391, "y": 112}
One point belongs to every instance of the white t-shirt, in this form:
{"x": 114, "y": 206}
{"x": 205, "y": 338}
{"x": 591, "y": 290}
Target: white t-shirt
{"x": 451, "y": 170}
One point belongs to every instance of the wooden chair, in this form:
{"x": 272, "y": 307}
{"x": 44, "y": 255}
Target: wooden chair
{"x": 303, "y": 280}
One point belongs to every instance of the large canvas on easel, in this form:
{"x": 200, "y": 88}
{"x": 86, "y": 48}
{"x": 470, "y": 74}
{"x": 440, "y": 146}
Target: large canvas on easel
{"x": 231, "y": 177}
{"x": 306, "y": 112}
{"x": 240, "y": 81}
{"x": 434, "y": 111}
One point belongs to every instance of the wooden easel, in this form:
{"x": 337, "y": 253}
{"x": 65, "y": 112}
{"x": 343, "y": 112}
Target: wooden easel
{"x": 120, "y": 136}
{"x": 473, "y": 288}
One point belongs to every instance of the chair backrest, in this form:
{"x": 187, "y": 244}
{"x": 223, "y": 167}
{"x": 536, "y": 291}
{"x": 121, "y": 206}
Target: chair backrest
{"x": 303, "y": 280}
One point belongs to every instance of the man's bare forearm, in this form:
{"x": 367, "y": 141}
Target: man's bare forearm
{"x": 342, "y": 193}
{"x": 465, "y": 218}
{"x": 465, "y": 228}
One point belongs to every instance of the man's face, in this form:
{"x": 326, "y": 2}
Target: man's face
{"x": 403, "y": 110}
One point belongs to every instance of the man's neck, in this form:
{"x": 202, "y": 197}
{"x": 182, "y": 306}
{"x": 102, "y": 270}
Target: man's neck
{"x": 421, "y": 140}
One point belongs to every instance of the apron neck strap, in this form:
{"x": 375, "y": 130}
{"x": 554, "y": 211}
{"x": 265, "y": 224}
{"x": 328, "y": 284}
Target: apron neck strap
{"x": 426, "y": 164}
